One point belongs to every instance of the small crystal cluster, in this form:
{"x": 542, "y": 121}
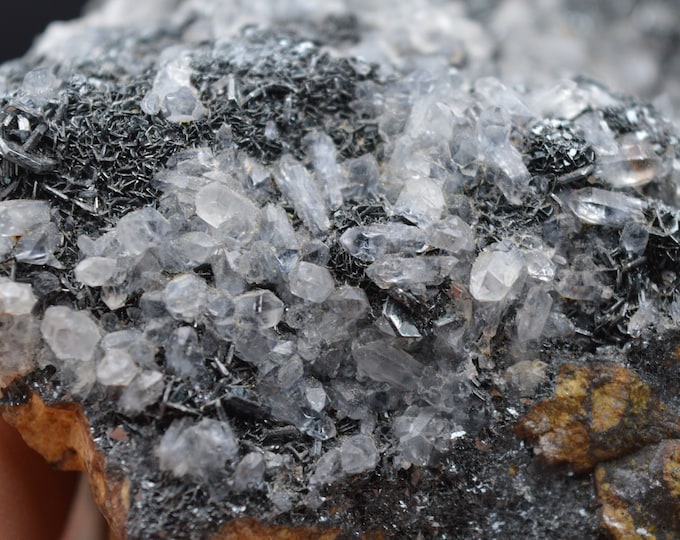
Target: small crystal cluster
{"x": 359, "y": 293}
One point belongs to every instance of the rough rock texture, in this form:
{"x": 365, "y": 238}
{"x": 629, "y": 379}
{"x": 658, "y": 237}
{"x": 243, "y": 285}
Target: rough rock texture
{"x": 319, "y": 265}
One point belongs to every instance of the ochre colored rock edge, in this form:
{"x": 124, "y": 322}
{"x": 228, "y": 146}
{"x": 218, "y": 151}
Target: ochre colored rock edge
{"x": 61, "y": 434}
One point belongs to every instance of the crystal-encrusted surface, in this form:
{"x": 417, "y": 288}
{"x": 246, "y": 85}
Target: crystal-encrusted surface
{"x": 316, "y": 262}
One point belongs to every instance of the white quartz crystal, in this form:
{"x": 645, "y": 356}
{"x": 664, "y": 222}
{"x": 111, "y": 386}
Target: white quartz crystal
{"x": 494, "y": 273}
{"x": 116, "y": 368}
{"x": 70, "y": 334}
{"x": 220, "y": 206}
{"x": 298, "y": 186}
{"x": 197, "y": 449}
{"x": 16, "y": 298}
{"x": 358, "y": 454}
{"x": 311, "y": 282}
{"x": 185, "y": 296}
{"x": 96, "y": 271}
{"x": 259, "y": 308}
{"x": 17, "y": 216}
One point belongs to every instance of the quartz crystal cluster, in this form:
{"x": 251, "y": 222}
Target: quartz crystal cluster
{"x": 296, "y": 247}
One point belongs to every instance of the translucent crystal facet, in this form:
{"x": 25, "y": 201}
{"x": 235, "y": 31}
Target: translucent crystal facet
{"x": 494, "y": 273}
{"x": 16, "y": 298}
{"x": 311, "y": 282}
{"x": 70, "y": 334}
{"x": 196, "y": 449}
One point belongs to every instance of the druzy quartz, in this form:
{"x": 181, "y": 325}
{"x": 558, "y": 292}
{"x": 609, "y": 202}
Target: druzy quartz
{"x": 304, "y": 251}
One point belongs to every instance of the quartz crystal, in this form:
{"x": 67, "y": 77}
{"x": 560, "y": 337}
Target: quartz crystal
{"x": 16, "y": 298}
{"x": 185, "y": 296}
{"x": 369, "y": 243}
{"x": 261, "y": 309}
{"x": 70, "y": 334}
{"x": 96, "y": 271}
{"x": 494, "y": 273}
{"x": 116, "y": 368}
{"x": 384, "y": 363}
{"x": 601, "y": 207}
{"x": 198, "y": 449}
{"x": 18, "y": 216}
{"x": 311, "y": 282}
{"x": 358, "y": 454}
{"x": 389, "y": 271}
{"x": 220, "y": 206}
{"x": 298, "y": 186}
{"x": 249, "y": 473}
{"x": 184, "y": 352}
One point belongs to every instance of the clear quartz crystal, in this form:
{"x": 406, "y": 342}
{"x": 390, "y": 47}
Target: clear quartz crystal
{"x": 311, "y": 282}
{"x": 144, "y": 390}
{"x": 220, "y": 206}
{"x": 172, "y": 92}
{"x": 185, "y": 296}
{"x": 601, "y": 207}
{"x": 634, "y": 238}
{"x": 373, "y": 241}
{"x": 38, "y": 244}
{"x": 421, "y": 200}
{"x": 259, "y": 308}
{"x": 197, "y": 450}
{"x": 533, "y": 315}
{"x": 249, "y": 473}
{"x": 96, "y": 271}
{"x": 116, "y": 368}
{"x": 142, "y": 229}
{"x": 389, "y": 271}
{"x": 327, "y": 172}
{"x": 494, "y": 273}
{"x": 451, "y": 234}
{"x": 18, "y": 216}
{"x": 358, "y": 454}
{"x": 70, "y": 334}
{"x": 384, "y": 363}
{"x": 16, "y": 298}
{"x": 184, "y": 352}
{"x": 298, "y": 186}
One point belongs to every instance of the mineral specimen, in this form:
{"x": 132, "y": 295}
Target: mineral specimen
{"x": 320, "y": 266}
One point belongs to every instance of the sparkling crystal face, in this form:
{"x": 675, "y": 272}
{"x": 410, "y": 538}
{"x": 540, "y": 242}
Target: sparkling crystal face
{"x": 296, "y": 275}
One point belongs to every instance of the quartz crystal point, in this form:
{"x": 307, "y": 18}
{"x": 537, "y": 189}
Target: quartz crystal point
{"x": 70, "y": 334}
{"x": 16, "y": 298}
{"x": 18, "y": 216}
{"x": 298, "y": 186}
{"x": 199, "y": 449}
{"x": 384, "y": 363}
{"x": 311, "y": 282}
{"x": 494, "y": 273}
{"x": 600, "y": 207}
{"x": 371, "y": 242}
